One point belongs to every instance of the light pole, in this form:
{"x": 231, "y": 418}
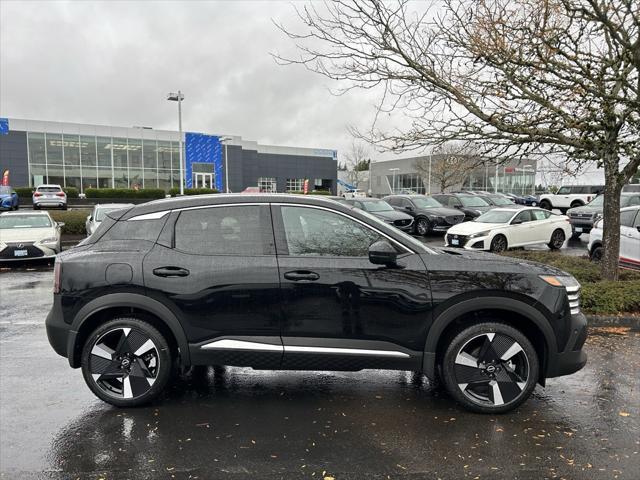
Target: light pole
{"x": 393, "y": 182}
{"x": 179, "y": 97}
{"x": 224, "y": 141}
{"x": 429, "y": 174}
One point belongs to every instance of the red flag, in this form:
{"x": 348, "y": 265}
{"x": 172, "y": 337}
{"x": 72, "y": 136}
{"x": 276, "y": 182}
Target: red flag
{"x": 306, "y": 186}
{"x": 5, "y": 178}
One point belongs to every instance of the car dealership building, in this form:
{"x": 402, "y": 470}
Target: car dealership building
{"x": 97, "y": 156}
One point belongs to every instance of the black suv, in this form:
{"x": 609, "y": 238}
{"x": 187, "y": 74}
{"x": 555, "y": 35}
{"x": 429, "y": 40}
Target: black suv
{"x": 428, "y": 214}
{"x": 471, "y": 205}
{"x": 293, "y": 282}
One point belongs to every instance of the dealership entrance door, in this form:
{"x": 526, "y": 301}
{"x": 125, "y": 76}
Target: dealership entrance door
{"x": 202, "y": 180}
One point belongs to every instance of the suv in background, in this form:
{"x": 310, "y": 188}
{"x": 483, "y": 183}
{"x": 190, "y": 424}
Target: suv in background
{"x": 428, "y": 214}
{"x": 384, "y": 211}
{"x": 291, "y": 282}
{"x": 629, "y": 239}
{"x": 583, "y": 218}
{"x": 49, "y": 196}
{"x": 570, "y": 196}
{"x": 471, "y": 205}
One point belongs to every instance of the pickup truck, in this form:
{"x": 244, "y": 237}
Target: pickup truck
{"x": 570, "y": 196}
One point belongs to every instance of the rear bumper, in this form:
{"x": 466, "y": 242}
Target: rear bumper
{"x": 574, "y": 357}
{"x": 61, "y": 337}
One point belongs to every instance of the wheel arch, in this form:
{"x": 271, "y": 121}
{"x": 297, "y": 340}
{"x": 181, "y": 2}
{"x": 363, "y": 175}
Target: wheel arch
{"x": 507, "y": 310}
{"x": 104, "y": 308}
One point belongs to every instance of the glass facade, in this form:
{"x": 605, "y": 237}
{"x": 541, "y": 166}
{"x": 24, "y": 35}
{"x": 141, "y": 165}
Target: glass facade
{"x": 294, "y": 184}
{"x": 267, "y": 185}
{"x": 86, "y": 161}
{"x": 406, "y": 183}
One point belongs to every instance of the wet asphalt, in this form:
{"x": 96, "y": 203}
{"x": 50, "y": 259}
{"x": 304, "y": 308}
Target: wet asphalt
{"x": 239, "y": 423}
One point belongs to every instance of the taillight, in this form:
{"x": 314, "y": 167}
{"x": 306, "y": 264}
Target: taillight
{"x": 37, "y": 194}
{"x": 60, "y": 194}
{"x": 57, "y": 268}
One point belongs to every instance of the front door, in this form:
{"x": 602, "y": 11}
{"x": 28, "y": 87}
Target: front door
{"x": 216, "y": 268}
{"x": 341, "y": 311}
{"x": 202, "y": 180}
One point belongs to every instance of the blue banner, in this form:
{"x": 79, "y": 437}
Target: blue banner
{"x": 201, "y": 148}
{"x": 4, "y": 126}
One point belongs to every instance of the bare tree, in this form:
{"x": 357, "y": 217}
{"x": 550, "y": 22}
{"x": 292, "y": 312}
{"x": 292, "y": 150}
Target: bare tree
{"x": 523, "y": 77}
{"x": 449, "y": 165}
{"x": 357, "y": 162}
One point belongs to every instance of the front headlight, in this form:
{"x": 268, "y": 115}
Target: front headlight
{"x": 571, "y": 285}
{"x": 479, "y": 234}
{"x": 49, "y": 240}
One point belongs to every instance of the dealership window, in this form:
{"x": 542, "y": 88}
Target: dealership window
{"x": 54, "y": 149}
{"x": 120, "y": 178}
{"x": 38, "y": 174}
{"x": 55, "y": 174}
{"x": 295, "y": 184}
{"x": 135, "y": 153}
{"x": 175, "y": 155}
{"x": 119, "y": 148}
{"x": 72, "y": 176}
{"x": 150, "y": 178}
{"x": 71, "y": 145}
{"x": 149, "y": 154}
{"x": 164, "y": 155}
{"x": 37, "y": 148}
{"x": 104, "y": 152}
{"x": 164, "y": 179}
{"x": 135, "y": 178}
{"x": 88, "y": 155}
{"x": 104, "y": 178}
{"x": 267, "y": 184}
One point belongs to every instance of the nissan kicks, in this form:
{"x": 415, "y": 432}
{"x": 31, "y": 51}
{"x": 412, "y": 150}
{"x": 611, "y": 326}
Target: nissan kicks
{"x": 291, "y": 282}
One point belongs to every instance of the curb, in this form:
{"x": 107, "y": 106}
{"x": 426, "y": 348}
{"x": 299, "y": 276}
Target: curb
{"x": 632, "y": 321}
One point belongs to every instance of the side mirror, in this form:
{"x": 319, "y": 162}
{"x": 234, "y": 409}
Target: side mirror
{"x": 516, "y": 221}
{"x": 89, "y": 218}
{"x": 60, "y": 224}
{"x": 638, "y": 228}
{"x": 382, "y": 253}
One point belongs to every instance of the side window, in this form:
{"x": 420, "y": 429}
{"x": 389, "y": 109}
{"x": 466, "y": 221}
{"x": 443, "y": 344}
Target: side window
{"x": 626, "y": 218}
{"x": 637, "y": 222}
{"x": 454, "y": 202}
{"x": 132, "y": 229}
{"x": 564, "y": 191}
{"x": 634, "y": 200}
{"x": 393, "y": 201}
{"x": 539, "y": 214}
{"x": 232, "y": 230}
{"x": 358, "y": 205}
{"x": 406, "y": 203}
{"x": 314, "y": 232}
{"x": 523, "y": 216}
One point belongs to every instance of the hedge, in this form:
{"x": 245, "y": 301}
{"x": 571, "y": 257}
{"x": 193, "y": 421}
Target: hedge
{"x": 597, "y": 296}
{"x": 74, "y": 220}
{"x": 124, "y": 193}
{"x": 26, "y": 192}
{"x": 192, "y": 191}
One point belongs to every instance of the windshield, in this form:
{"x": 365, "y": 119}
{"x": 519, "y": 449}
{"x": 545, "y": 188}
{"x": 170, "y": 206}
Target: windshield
{"x": 469, "y": 201}
{"x": 495, "y": 216}
{"x": 416, "y": 244}
{"x": 102, "y": 212}
{"x": 380, "y": 206}
{"x": 5, "y": 190}
{"x": 498, "y": 200}
{"x": 425, "y": 202}
{"x": 598, "y": 201}
{"x": 24, "y": 221}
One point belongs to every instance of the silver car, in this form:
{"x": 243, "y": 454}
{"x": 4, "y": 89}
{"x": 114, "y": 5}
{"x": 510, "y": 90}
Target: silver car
{"x": 49, "y": 196}
{"x": 583, "y": 218}
{"x": 98, "y": 214}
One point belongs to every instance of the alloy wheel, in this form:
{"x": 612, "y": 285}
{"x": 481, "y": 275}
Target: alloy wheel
{"x": 499, "y": 244}
{"x": 422, "y": 226}
{"x": 557, "y": 240}
{"x": 124, "y": 363}
{"x": 491, "y": 370}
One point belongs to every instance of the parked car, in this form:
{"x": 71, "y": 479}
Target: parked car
{"x": 504, "y": 228}
{"x": 471, "y": 205}
{"x": 353, "y": 193}
{"x": 496, "y": 200}
{"x": 295, "y": 282}
{"x": 529, "y": 200}
{"x": 336, "y": 198}
{"x": 99, "y": 213}
{"x": 8, "y": 198}
{"x": 631, "y": 187}
{"x": 28, "y": 235}
{"x": 570, "y": 196}
{"x": 384, "y": 211}
{"x": 428, "y": 214}
{"x": 49, "y": 196}
{"x": 629, "y": 239}
{"x": 583, "y": 218}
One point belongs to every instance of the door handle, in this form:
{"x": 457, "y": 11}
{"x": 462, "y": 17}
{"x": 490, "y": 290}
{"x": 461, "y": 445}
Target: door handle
{"x": 300, "y": 275}
{"x": 170, "y": 272}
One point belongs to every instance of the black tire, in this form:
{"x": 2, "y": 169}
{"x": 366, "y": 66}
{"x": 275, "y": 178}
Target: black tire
{"x": 596, "y": 254}
{"x": 499, "y": 244}
{"x": 130, "y": 377}
{"x": 557, "y": 240}
{"x": 64, "y": 207}
{"x": 36, "y": 207}
{"x": 577, "y": 204}
{"x": 423, "y": 226}
{"x": 546, "y": 204}
{"x": 575, "y": 235}
{"x": 479, "y": 377}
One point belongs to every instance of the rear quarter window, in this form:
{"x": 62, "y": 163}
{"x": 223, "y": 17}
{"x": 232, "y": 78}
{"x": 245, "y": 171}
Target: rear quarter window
{"x": 147, "y": 230}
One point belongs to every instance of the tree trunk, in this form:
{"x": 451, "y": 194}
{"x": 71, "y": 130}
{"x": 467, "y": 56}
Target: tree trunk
{"x": 611, "y": 214}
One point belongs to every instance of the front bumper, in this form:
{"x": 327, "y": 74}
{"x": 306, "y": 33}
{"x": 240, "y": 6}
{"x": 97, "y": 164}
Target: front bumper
{"x": 30, "y": 251}
{"x": 583, "y": 226}
{"x": 573, "y": 358}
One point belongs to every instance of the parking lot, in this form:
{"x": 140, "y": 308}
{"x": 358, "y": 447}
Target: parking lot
{"x": 241, "y": 423}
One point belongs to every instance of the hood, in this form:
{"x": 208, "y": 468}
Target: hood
{"x": 441, "y": 211}
{"x": 585, "y": 209}
{"x": 26, "y": 234}
{"x": 467, "y": 228}
{"x": 391, "y": 215}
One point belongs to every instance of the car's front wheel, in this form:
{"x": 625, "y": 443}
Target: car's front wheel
{"x": 546, "y": 204}
{"x": 557, "y": 240}
{"x": 490, "y": 368}
{"x": 423, "y": 227}
{"x": 126, "y": 362}
{"x": 498, "y": 244}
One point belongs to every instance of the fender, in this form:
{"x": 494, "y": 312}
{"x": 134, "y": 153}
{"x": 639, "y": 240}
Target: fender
{"x": 134, "y": 300}
{"x": 482, "y": 303}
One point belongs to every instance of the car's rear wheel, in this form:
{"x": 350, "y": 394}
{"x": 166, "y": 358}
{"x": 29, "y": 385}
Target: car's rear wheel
{"x": 557, "y": 240}
{"x": 596, "y": 254}
{"x": 490, "y": 368}
{"x": 546, "y": 204}
{"x": 423, "y": 227}
{"x": 575, "y": 235}
{"x": 126, "y": 362}
{"x": 498, "y": 244}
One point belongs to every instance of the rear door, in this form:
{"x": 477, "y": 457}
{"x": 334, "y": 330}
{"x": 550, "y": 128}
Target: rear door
{"x": 216, "y": 268}
{"x": 340, "y": 310}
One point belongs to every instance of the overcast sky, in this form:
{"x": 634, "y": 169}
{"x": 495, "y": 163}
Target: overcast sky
{"x": 112, "y": 63}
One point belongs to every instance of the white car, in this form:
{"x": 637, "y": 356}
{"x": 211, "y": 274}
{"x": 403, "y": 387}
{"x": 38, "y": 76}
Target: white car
{"x": 503, "y": 228}
{"x": 28, "y": 235}
{"x": 570, "y": 196}
{"x": 49, "y": 196}
{"x": 99, "y": 212}
{"x": 354, "y": 194}
{"x": 629, "y": 238}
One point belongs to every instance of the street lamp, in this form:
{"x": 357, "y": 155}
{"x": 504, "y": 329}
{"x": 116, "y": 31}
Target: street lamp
{"x": 179, "y": 97}
{"x": 393, "y": 182}
{"x": 224, "y": 140}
